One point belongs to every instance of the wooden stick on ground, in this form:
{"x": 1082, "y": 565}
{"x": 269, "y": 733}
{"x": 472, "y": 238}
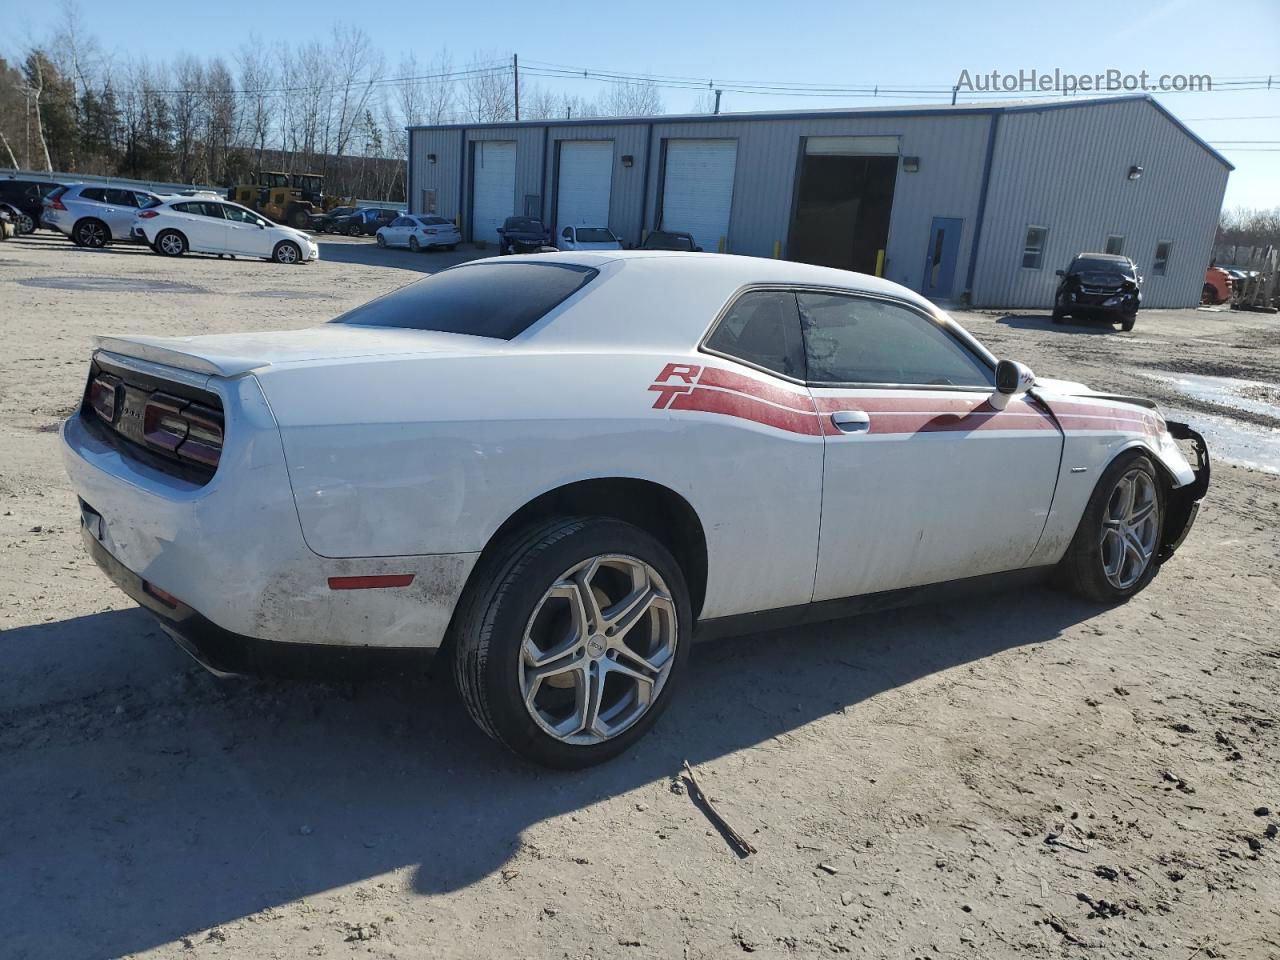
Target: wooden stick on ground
{"x": 734, "y": 837}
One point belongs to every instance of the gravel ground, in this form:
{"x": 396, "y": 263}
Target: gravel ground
{"x": 1017, "y": 775}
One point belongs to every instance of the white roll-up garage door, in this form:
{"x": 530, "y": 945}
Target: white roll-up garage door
{"x": 493, "y": 186}
{"x": 586, "y": 181}
{"x": 697, "y": 190}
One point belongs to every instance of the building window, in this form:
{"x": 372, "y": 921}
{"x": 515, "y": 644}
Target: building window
{"x": 1033, "y": 248}
{"x": 1115, "y": 245}
{"x": 1161, "y": 265}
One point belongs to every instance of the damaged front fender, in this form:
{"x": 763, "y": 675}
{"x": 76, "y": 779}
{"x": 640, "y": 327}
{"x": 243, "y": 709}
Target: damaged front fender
{"x": 1183, "y": 503}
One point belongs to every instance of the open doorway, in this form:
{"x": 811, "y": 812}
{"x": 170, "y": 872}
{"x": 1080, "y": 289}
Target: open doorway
{"x": 843, "y": 202}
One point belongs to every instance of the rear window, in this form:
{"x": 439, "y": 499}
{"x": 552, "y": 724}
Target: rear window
{"x": 499, "y": 300}
{"x": 594, "y": 235}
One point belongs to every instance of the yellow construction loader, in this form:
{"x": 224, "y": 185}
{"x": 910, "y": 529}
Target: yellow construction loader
{"x": 285, "y": 198}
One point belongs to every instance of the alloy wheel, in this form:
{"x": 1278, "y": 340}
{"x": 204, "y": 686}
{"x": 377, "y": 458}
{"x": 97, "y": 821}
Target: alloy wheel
{"x": 26, "y": 224}
{"x": 171, "y": 244}
{"x": 92, "y": 235}
{"x": 598, "y": 649}
{"x": 287, "y": 253}
{"x": 1130, "y": 528}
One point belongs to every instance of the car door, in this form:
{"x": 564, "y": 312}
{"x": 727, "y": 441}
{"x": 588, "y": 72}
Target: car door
{"x": 204, "y": 225}
{"x": 924, "y": 480}
{"x": 247, "y": 233}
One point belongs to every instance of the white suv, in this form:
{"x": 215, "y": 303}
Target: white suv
{"x": 178, "y": 224}
{"x": 92, "y": 214}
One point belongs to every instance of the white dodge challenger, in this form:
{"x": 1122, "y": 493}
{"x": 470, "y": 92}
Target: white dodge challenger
{"x": 551, "y": 468}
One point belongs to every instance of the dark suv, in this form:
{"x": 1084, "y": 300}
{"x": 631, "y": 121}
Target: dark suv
{"x": 1099, "y": 285}
{"x": 28, "y": 196}
{"x": 522, "y": 235}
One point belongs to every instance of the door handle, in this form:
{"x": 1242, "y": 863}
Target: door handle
{"x": 851, "y": 421}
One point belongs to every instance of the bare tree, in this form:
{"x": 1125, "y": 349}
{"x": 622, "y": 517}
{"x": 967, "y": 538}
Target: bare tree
{"x": 357, "y": 68}
{"x": 34, "y": 75}
{"x": 625, "y": 99}
{"x": 538, "y": 102}
{"x": 487, "y": 92}
{"x": 256, "y": 77}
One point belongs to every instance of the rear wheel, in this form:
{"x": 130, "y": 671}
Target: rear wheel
{"x": 1113, "y": 554}
{"x": 353, "y": 230}
{"x": 1208, "y": 294}
{"x": 25, "y": 223}
{"x": 286, "y": 251}
{"x": 171, "y": 243}
{"x": 414, "y": 245}
{"x": 567, "y": 644}
{"x": 91, "y": 233}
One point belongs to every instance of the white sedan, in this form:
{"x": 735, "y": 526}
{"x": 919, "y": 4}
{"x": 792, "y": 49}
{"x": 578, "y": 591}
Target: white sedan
{"x": 209, "y": 225}
{"x": 588, "y": 238}
{"x": 551, "y": 468}
{"x": 420, "y": 231}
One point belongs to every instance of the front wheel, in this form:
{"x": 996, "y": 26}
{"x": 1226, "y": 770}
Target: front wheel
{"x": 286, "y": 251}
{"x": 353, "y": 231}
{"x": 25, "y": 224}
{"x": 382, "y": 241}
{"x": 1113, "y": 553}
{"x": 569, "y": 641}
{"x": 1128, "y": 320}
{"x": 171, "y": 243}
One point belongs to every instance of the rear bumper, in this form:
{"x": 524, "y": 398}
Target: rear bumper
{"x": 233, "y": 549}
{"x": 226, "y": 653}
{"x": 1184, "y": 502}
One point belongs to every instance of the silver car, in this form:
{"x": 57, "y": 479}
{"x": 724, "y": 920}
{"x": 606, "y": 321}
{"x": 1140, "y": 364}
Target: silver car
{"x": 93, "y": 215}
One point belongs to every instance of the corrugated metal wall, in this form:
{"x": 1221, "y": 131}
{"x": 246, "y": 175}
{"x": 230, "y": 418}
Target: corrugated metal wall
{"x": 1067, "y": 170}
{"x": 1064, "y": 169}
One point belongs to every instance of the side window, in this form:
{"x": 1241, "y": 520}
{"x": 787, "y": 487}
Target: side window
{"x": 762, "y": 329}
{"x": 208, "y": 210}
{"x": 96, "y": 194}
{"x": 121, "y": 198}
{"x": 1115, "y": 245}
{"x": 1033, "y": 248}
{"x": 860, "y": 340}
{"x": 1160, "y": 266}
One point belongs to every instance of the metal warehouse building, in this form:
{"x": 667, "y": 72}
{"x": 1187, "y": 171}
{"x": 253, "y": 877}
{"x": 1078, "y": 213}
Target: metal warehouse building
{"x": 971, "y": 203}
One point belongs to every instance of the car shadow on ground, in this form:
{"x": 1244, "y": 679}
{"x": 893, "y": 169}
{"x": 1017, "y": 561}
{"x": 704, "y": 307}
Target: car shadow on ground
{"x": 145, "y": 800}
{"x": 1043, "y": 321}
{"x": 365, "y": 251}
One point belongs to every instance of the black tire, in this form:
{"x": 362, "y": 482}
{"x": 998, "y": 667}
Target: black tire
{"x": 488, "y": 631}
{"x": 382, "y": 241}
{"x": 25, "y": 224}
{"x": 288, "y": 252}
{"x": 353, "y": 230}
{"x": 414, "y": 246}
{"x": 170, "y": 243}
{"x": 1208, "y": 294}
{"x": 1059, "y": 316}
{"x": 298, "y": 218}
{"x": 1081, "y": 569}
{"x": 1128, "y": 320}
{"x": 451, "y": 247}
{"x": 91, "y": 233}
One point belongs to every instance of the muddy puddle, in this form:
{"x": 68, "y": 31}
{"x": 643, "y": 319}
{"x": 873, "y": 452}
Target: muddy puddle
{"x": 1233, "y": 440}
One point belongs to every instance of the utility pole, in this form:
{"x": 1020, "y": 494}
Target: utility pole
{"x": 954, "y": 91}
{"x": 718, "y": 92}
{"x": 515, "y": 69}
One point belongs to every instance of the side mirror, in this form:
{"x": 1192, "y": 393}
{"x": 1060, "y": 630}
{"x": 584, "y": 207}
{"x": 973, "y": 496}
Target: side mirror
{"x": 262, "y": 225}
{"x": 1013, "y": 379}
{"x": 1060, "y": 273}
{"x": 502, "y": 230}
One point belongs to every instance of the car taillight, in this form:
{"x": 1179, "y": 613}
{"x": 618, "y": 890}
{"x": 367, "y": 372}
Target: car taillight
{"x": 429, "y": 233}
{"x": 148, "y": 214}
{"x": 103, "y": 393}
{"x": 56, "y": 202}
{"x": 190, "y": 430}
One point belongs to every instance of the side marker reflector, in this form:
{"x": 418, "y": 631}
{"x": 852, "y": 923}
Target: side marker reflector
{"x": 371, "y": 583}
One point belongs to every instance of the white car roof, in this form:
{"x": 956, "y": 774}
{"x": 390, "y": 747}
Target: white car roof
{"x": 653, "y": 299}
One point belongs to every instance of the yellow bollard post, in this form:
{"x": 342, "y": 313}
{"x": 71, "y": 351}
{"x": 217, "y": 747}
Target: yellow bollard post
{"x": 777, "y": 249}
{"x": 879, "y": 263}
{"x": 721, "y": 248}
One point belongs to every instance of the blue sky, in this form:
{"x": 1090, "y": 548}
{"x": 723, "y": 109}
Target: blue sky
{"x": 846, "y": 43}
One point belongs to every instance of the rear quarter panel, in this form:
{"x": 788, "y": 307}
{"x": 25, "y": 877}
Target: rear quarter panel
{"x": 422, "y": 455}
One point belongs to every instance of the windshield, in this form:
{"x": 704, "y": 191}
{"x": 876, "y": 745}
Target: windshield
{"x": 524, "y": 225}
{"x": 595, "y": 235}
{"x": 1098, "y": 265}
{"x": 484, "y": 299}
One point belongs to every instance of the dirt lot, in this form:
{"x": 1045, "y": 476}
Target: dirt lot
{"x": 1020, "y": 775}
